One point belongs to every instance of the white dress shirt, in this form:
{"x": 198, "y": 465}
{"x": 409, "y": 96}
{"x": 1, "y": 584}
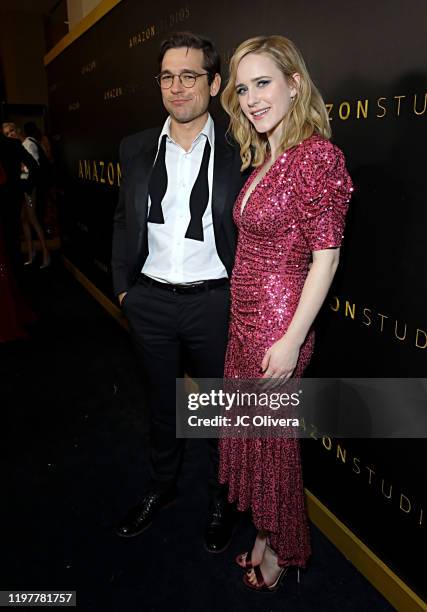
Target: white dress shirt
{"x": 32, "y": 149}
{"x": 172, "y": 258}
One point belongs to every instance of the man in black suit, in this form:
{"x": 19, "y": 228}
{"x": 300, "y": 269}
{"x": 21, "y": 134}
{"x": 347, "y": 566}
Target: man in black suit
{"x": 173, "y": 250}
{"x": 12, "y": 156}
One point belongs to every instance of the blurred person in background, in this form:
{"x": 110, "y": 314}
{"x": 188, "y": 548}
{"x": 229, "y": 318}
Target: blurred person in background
{"x": 14, "y": 313}
{"x": 29, "y": 217}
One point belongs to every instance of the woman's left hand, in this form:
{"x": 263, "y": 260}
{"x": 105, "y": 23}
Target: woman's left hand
{"x": 280, "y": 360}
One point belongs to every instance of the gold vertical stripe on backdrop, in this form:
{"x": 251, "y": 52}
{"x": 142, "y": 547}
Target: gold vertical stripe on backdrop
{"x": 376, "y": 571}
{"x": 96, "y": 293}
{"x": 85, "y": 24}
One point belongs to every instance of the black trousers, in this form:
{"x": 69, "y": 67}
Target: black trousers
{"x": 10, "y": 218}
{"x": 177, "y": 333}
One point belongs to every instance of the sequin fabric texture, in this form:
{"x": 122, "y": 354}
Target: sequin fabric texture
{"x": 298, "y": 207}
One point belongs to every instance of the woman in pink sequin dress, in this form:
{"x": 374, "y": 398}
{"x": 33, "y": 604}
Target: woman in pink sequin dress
{"x": 290, "y": 218}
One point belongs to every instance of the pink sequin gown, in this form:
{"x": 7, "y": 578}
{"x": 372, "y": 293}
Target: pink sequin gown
{"x": 298, "y": 207}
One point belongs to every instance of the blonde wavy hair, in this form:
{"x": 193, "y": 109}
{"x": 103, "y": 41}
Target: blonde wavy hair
{"x": 307, "y": 113}
{"x": 9, "y": 124}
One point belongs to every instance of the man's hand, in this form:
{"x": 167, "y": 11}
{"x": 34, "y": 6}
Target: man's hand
{"x": 121, "y": 297}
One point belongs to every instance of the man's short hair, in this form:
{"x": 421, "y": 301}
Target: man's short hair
{"x": 31, "y": 129}
{"x": 211, "y": 57}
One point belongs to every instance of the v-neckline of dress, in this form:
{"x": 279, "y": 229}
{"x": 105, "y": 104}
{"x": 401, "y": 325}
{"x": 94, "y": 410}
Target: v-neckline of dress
{"x": 242, "y": 210}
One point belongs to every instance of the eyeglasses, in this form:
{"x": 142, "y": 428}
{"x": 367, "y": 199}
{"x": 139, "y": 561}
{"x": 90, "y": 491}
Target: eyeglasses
{"x": 187, "y": 79}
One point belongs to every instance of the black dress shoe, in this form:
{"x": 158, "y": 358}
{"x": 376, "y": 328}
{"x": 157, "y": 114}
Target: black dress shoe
{"x": 220, "y": 525}
{"x": 141, "y": 517}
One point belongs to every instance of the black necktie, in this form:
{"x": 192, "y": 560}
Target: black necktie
{"x": 199, "y": 197}
{"x": 158, "y": 185}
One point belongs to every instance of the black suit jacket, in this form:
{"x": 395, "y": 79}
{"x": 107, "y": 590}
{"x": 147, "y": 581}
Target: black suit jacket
{"x": 12, "y": 154}
{"x": 130, "y": 245}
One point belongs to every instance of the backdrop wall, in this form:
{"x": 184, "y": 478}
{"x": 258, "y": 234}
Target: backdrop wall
{"x": 368, "y": 59}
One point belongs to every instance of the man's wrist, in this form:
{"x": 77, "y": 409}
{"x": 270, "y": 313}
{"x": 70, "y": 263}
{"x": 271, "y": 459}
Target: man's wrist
{"x": 120, "y": 297}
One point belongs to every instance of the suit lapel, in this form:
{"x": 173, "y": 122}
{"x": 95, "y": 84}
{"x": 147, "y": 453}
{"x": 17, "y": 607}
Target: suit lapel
{"x": 223, "y": 161}
{"x": 141, "y": 171}
{"x": 143, "y": 166}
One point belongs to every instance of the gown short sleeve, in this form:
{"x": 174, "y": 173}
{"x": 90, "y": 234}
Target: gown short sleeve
{"x": 322, "y": 191}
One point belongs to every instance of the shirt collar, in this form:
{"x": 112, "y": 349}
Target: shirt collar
{"x": 208, "y": 131}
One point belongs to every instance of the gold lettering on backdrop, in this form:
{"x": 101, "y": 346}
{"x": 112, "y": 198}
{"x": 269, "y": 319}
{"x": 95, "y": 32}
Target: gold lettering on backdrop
{"x": 173, "y": 20}
{"x": 349, "y": 309}
{"x": 110, "y": 173}
{"x": 94, "y": 170}
{"x": 366, "y": 313}
{"x": 425, "y": 339}
{"x": 101, "y": 165}
{"x": 381, "y": 107}
{"x": 399, "y": 98}
{"x": 341, "y": 453}
{"x": 344, "y": 114}
{"x": 88, "y": 67}
{"x": 167, "y": 22}
{"x": 362, "y": 108}
{"x": 382, "y": 490}
{"x": 83, "y": 227}
{"x": 335, "y": 307}
{"x": 385, "y": 324}
{"x": 356, "y": 465}
{"x": 389, "y": 493}
{"x": 397, "y": 335}
{"x": 408, "y": 507}
{"x": 313, "y": 429}
{"x": 313, "y": 433}
{"x": 74, "y": 106}
{"x": 371, "y": 471}
{"x": 327, "y": 442}
{"x": 111, "y": 94}
{"x": 382, "y": 320}
{"x": 101, "y": 265}
{"x": 415, "y": 105}
{"x": 143, "y": 36}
